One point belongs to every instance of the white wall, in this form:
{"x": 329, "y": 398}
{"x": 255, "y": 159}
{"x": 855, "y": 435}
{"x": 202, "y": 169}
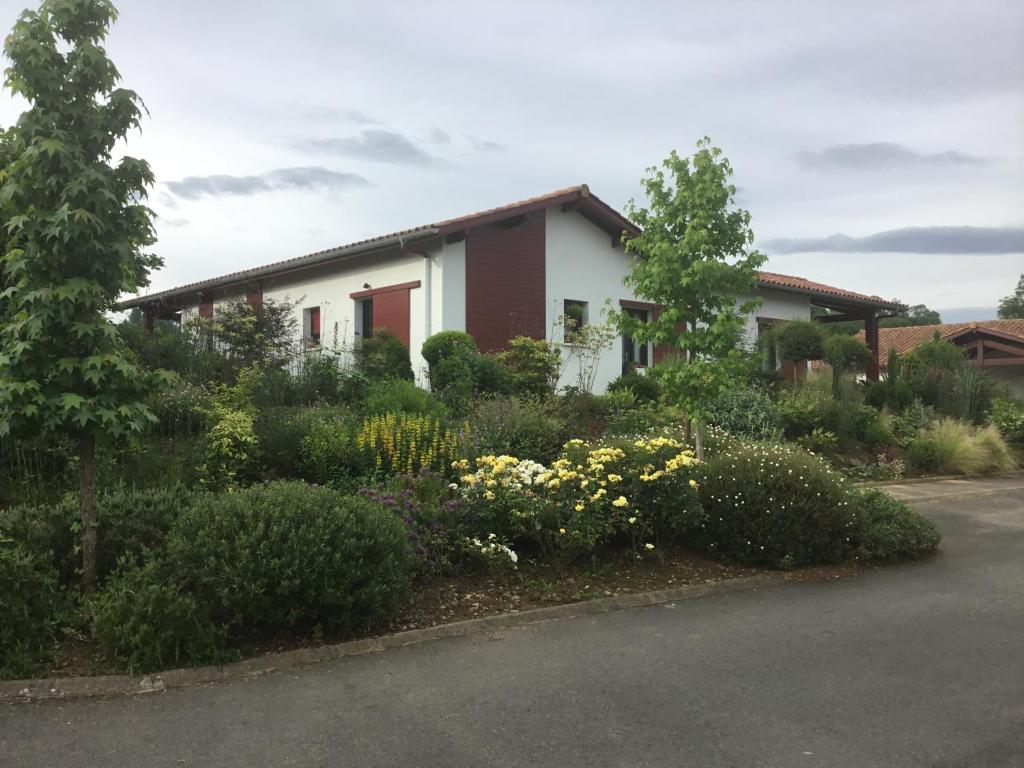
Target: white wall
{"x": 452, "y": 303}
{"x": 777, "y": 305}
{"x": 583, "y": 265}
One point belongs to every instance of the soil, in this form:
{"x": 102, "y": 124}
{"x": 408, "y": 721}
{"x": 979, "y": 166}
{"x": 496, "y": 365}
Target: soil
{"x": 472, "y": 595}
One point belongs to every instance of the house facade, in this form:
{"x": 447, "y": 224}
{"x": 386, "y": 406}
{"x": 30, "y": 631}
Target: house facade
{"x": 500, "y": 273}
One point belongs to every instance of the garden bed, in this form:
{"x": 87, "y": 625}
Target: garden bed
{"x": 476, "y": 595}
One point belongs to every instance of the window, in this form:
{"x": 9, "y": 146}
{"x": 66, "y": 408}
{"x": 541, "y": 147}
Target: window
{"x": 311, "y": 325}
{"x": 364, "y": 317}
{"x": 575, "y": 313}
{"x": 635, "y": 354}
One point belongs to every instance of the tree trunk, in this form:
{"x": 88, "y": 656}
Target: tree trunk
{"x": 698, "y": 440}
{"x": 87, "y": 473}
{"x": 687, "y": 430}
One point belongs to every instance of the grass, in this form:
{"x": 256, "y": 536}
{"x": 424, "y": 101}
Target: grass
{"x": 962, "y": 448}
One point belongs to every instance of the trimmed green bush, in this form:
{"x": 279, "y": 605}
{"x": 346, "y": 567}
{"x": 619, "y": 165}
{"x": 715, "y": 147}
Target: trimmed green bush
{"x": 924, "y": 455}
{"x": 775, "y": 505}
{"x": 29, "y": 600}
{"x": 746, "y": 412}
{"x": 328, "y": 453}
{"x": 453, "y": 380}
{"x": 515, "y": 426}
{"x": 888, "y": 530}
{"x": 287, "y": 554}
{"x": 799, "y": 339}
{"x": 645, "y": 388}
{"x": 401, "y": 396}
{"x": 446, "y": 344}
{"x": 533, "y": 366}
{"x": 1007, "y": 415}
{"x": 490, "y": 376}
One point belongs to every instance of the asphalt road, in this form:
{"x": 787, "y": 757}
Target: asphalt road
{"x": 920, "y": 665}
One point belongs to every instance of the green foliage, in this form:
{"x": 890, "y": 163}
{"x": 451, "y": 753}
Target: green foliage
{"x": 517, "y": 426}
{"x": 533, "y": 366}
{"x": 490, "y": 376}
{"x": 231, "y": 448}
{"x": 819, "y": 440}
{"x": 281, "y": 432}
{"x": 453, "y": 380}
{"x": 383, "y": 356}
{"x": 146, "y": 618}
{"x": 447, "y": 344}
{"x": 328, "y": 451}
{"x": 323, "y": 380}
{"x": 1012, "y": 306}
{"x": 746, "y": 412}
{"x": 798, "y": 340}
{"x": 298, "y": 556}
{"x": 940, "y": 375}
{"x": 924, "y": 454}
{"x": 889, "y": 531}
{"x": 29, "y": 602}
{"x": 693, "y": 259}
{"x": 261, "y": 335}
{"x": 908, "y": 423}
{"x": 401, "y": 396}
{"x": 131, "y": 522}
{"x": 1007, "y": 415}
{"x": 646, "y": 389}
{"x": 776, "y": 505}
{"x": 892, "y": 390}
{"x": 77, "y": 230}
{"x": 845, "y": 354}
{"x": 962, "y": 448}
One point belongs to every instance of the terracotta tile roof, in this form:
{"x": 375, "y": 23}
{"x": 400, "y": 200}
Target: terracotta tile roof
{"x": 803, "y": 285}
{"x": 904, "y": 340}
{"x": 590, "y": 206}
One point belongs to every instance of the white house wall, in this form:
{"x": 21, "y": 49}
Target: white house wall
{"x": 582, "y": 265}
{"x": 451, "y": 307}
{"x": 776, "y": 305}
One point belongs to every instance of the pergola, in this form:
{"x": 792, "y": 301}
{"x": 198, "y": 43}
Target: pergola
{"x": 843, "y": 306}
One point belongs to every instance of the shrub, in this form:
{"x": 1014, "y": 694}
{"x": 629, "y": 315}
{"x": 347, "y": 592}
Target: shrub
{"x": 400, "y": 444}
{"x": 1007, "y": 415}
{"x": 446, "y": 344}
{"x": 888, "y": 530}
{"x": 490, "y": 376}
{"x": 328, "y": 453}
{"x": 518, "y": 426}
{"x": 645, "y": 388}
{"x": 776, "y": 505}
{"x": 845, "y": 354}
{"x": 146, "y": 618}
{"x": 453, "y": 380}
{"x": 29, "y": 601}
{"x": 819, "y": 441}
{"x": 401, "y": 396}
{"x": 231, "y": 446}
{"x": 891, "y": 391}
{"x": 287, "y": 554}
{"x": 533, "y": 366}
{"x": 129, "y": 522}
{"x": 323, "y": 379}
{"x": 799, "y": 339}
{"x": 940, "y": 375}
{"x": 924, "y": 455}
{"x": 746, "y": 412}
{"x": 281, "y": 432}
{"x": 869, "y": 429}
{"x": 908, "y": 423}
{"x": 800, "y": 411}
{"x": 383, "y": 356}
{"x": 962, "y": 448}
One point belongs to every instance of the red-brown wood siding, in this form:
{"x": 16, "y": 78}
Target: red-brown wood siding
{"x": 505, "y": 288}
{"x": 254, "y": 297}
{"x": 390, "y": 308}
{"x": 206, "y": 310}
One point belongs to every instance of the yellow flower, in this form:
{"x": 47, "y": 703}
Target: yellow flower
{"x": 620, "y": 502}
{"x": 561, "y": 531}
{"x": 579, "y": 507}
{"x": 649, "y": 546}
{"x": 693, "y": 484}
{"x": 631, "y": 520}
{"x": 489, "y": 495}
{"x": 613, "y": 478}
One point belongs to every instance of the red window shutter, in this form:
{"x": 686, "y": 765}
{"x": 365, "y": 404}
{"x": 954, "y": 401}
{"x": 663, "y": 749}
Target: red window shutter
{"x": 254, "y": 297}
{"x": 314, "y": 321}
{"x": 391, "y": 313}
{"x": 206, "y": 310}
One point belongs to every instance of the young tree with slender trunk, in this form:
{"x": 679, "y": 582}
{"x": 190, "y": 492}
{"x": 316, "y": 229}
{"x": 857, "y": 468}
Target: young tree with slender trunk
{"x": 77, "y": 231}
{"x": 693, "y": 258}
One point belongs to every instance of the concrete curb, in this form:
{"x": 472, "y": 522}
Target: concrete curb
{"x": 13, "y": 691}
{"x": 938, "y": 478}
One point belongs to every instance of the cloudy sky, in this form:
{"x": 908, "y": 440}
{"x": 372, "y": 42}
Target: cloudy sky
{"x": 878, "y": 146}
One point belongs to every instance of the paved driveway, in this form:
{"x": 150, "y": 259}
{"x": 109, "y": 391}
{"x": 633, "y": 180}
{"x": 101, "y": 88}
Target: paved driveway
{"x": 911, "y": 666}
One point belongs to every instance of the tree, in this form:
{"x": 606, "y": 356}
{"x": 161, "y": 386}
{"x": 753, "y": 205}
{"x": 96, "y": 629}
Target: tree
{"x": 798, "y": 340}
{"x": 262, "y": 334}
{"x": 845, "y": 354}
{"x": 77, "y": 229}
{"x": 693, "y": 259}
{"x": 1012, "y": 306}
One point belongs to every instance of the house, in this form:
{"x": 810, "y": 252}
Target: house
{"x": 996, "y": 345}
{"x": 503, "y": 272}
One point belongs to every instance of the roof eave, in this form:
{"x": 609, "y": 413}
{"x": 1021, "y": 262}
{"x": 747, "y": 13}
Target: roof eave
{"x": 832, "y": 299}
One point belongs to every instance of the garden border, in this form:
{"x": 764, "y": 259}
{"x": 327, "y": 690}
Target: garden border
{"x": 936, "y": 478}
{"x": 65, "y": 688}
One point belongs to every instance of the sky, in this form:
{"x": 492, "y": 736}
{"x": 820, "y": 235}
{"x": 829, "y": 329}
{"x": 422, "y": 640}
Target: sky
{"x": 879, "y": 146}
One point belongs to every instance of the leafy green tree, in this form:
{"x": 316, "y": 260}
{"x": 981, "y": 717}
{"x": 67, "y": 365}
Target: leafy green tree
{"x": 845, "y": 354}
{"x": 77, "y": 229}
{"x": 1012, "y": 306}
{"x": 693, "y": 259}
{"x": 263, "y": 334}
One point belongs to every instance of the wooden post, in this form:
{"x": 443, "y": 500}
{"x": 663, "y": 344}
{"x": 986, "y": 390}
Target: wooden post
{"x": 147, "y": 320}
{"x": 871, "y": 337}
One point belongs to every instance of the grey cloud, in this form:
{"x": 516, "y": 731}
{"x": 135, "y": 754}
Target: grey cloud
{"x": 376, "y": 145}
{"x": 439, "y": 137}
{"x": 485, "y": 145}
{"x": 327, "y": 112}
{"x": 302, "y": 178}
{"x": 173, "y": 222}
{"x": 880, "y": 155}
{"x": 931, "y": 240}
